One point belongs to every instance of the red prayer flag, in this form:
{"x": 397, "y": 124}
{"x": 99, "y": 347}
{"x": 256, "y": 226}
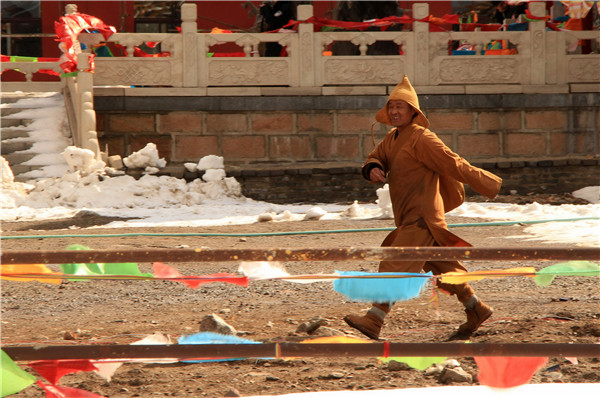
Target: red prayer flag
{"x": 53, "y": 370}
{"x": 66, "y": 392}
{"x": 166, "y": 272}
{"x": 505, "y": 372}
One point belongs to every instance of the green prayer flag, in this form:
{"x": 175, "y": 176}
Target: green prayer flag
{"x": 19, "y": 58}
{"x": 124, "y": 269}
{"x": 14, "y": 379}
{"x": 100, "y": 268}
{"x": 545, "y": 276}
{"x": 103, "y": 269}
{"x": 419, "y": 363}
{"x": 80, "y": 268}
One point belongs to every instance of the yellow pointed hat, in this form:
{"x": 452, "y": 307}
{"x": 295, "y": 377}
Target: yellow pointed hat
{"x": 403, "y": 91}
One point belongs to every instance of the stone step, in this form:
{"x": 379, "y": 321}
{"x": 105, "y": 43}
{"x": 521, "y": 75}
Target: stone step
{"x": 14, "y": 159}
{"x": 5, "y": 111}
{"x": 8, "y": 122}
{"x": 19, "y": 169}
{"x": 11, "y": 98}
{"x": 11, "y": 146}
{"x": 13, "y": 132}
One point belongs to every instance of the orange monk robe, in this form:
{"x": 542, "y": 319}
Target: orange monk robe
{"x": 419, "y": 166}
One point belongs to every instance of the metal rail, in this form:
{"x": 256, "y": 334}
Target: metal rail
{"x": 325, "y": 254}
{"x": 281, "y": 350}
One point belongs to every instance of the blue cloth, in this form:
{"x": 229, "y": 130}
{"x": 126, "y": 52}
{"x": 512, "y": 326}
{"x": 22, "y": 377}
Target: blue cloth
{"x": 214, "y": 338}
{"x": 380, "y": 290}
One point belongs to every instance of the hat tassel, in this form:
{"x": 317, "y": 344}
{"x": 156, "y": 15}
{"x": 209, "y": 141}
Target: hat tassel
{"x": 372, "y": 133}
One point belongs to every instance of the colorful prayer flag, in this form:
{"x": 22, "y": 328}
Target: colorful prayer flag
{"x": 545, "y": 276}
{"x": 54, "y": 370}
{"x": 380, "y": 287}
{"x": 35, "y": 269}
{"x": 505, "y": 372}
{"x": 13, "y": 379}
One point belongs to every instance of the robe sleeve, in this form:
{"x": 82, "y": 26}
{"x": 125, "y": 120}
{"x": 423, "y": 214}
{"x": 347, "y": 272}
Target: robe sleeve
{"x": 436, "y": 156}
{"x": 377, "y": 158}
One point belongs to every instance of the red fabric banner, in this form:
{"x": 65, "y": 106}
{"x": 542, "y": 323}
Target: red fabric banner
{"x": 166, "y": 272}
{"x": 68, "y": 29}
{"x": 54, "y": 370}
{"x": 66, "y": 392}
{"x": 504, "y": 372}
{"x": 382, "y": 23}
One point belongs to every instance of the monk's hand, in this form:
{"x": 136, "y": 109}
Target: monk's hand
{"x": 377, "y": 175}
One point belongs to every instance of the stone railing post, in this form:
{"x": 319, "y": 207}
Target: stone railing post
{"x": 86, "y": 123}
{"x": 420, "y": 45}
{"x": 189, "y": 28}
{"x": 537, "y": 29}
{"x": 306, "y": 52}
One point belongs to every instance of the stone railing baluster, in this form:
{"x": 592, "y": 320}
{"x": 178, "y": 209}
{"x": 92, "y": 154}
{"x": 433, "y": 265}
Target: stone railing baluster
{"x": 190, "y": 54}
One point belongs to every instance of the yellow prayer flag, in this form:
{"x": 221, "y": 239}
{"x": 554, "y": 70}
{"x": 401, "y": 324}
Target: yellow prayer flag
{"x": 457, "y": 278}
{"x": 23, "y": 269}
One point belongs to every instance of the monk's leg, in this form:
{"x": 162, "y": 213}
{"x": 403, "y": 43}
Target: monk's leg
{"x": 476, "y": 310}
{"x": 371, "y": 323}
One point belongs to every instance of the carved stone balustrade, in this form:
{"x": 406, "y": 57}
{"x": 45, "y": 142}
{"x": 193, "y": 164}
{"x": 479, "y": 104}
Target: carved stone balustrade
{"x": 544, "y": 61}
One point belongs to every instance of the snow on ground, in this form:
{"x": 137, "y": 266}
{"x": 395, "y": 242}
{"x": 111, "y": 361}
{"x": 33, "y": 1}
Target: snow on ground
{"x": 77, "y": 182}
{"x": 218, "y": 201}
{"x": 591, "y": 194}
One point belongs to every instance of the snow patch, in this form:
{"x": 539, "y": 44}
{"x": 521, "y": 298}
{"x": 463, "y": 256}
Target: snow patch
{"x": 591, "y": 194}
{"x": 145, "y": 157}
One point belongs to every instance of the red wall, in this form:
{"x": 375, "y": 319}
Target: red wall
{"x": 221, "y": 14}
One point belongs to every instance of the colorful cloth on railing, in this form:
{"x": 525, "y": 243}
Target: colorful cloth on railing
{"x": 17, "y": 58}
{"x": 437, "y": 23}
{"x": 382, "y": 23}
{"x": 68, "y": 29}
{"x": 579, "y": 9}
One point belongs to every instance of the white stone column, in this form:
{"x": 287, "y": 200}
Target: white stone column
{"x": 189, "y": 30}
{"x": 420, "y": 57}
{"x": 305, "y": 62}
{"x": 537, "y": 29}
{"x": 86, "y": 123}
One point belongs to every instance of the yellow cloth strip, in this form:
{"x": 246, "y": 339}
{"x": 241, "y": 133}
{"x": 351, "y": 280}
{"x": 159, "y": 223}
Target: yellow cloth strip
{"x": 335, "y": 340}
{"x": 463, "y": 277}
{"x": 29, "y": 269}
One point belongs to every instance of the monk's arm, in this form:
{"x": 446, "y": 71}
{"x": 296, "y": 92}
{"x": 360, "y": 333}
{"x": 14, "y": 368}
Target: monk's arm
{"x": 375, "y": 167}
{"x": 432, "y": 152}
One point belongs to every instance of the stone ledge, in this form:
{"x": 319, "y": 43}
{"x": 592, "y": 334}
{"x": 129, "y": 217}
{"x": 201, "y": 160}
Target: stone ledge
{"x": 333, "y": 182}
{"x": 217, "y": 102}
{"x": 334, "y": 168}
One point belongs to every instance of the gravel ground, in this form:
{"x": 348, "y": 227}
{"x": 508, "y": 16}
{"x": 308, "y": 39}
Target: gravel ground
{"x": 120, "y": 312}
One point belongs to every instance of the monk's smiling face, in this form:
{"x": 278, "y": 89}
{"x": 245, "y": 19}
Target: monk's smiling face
{"x": 400, "y": 113}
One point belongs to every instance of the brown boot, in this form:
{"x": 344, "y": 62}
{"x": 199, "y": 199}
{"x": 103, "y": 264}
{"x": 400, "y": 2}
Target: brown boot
{"x": 369, "y": 324}
{"x": 475, "y": 317}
